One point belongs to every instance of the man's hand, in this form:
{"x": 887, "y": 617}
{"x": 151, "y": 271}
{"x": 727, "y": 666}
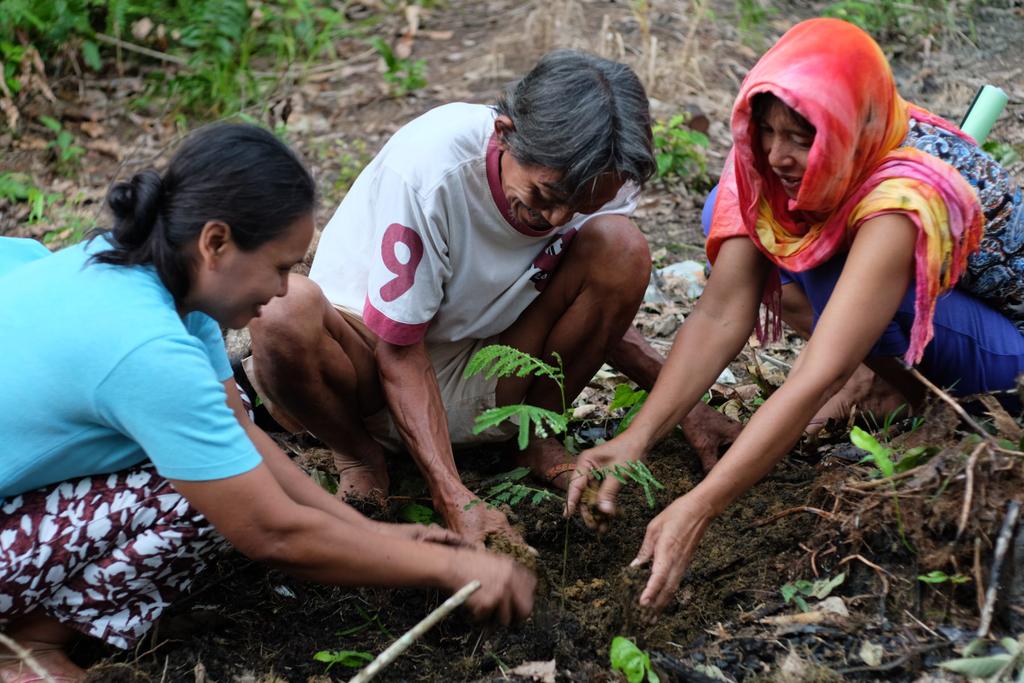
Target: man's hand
{"x": 506, "y": 588}
{"x": 618, "y": 451}
{"x": 708, "y": 431}
{"x": 670, "y": 540}
{"x": 477, "y": 521}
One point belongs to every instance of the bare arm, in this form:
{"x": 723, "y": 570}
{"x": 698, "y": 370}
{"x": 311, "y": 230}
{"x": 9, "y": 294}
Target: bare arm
{"x": 709, "y": 339}
{"x": 410, "y": 387}
{"x": 255, "y": 515}
{"x": 304, "y": 491}
{"x": 875, "y": 277}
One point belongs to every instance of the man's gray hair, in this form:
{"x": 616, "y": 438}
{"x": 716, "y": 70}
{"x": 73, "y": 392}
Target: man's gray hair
{"x": 582, "y": 115}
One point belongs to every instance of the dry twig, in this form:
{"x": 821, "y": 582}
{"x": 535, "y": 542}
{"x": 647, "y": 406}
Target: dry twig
{"x": 969, "y": 490}
{"x": 1002, "y": 545}
{"x": 27, "y": 659}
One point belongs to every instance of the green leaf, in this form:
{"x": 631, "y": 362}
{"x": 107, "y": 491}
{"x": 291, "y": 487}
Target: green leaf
{"x": 788, "y": 591}
{"x": 417, "y": 514}
{"x": 348, "y": 658}
{"x": 91, "y": 55}
{"x": 880, "y": 455}
{"x": 977, "y": 667}
{"x": 51, "y": 123}
{"x": 633, "y": 662}
{"x": 545, "y": 422}
{"x": 626, "y": 397}
{"x": 822, "y": 588}
{"x": 499, "y": 360}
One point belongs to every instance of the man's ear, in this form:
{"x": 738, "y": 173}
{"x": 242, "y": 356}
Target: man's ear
{"x": 503, "y": 126}
{"x": 214, "y": 239}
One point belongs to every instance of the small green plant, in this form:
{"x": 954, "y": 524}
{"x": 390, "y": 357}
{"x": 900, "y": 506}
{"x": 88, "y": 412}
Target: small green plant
{"x": 909, "y": 21}
{"x": 510, "y": 491}
{"x": 801, "y": 589}
{"x": 630, "y": 399}
{"x": 631, "y": 661}
{"x": 884, "y": 466}
{"x": 497, "y": 360}
{"x": 993, "y": 668}
{"x": 679, "y": 150}
{"x": 938, "y": 576}
{"x": 636, "y": 472}
{"x": 414, "y": 513}
{"x": 18, "y": 187}
{"x": 403, "y": 75}
{"x": 352, "y": 659}
{"x": 66, "y": 153}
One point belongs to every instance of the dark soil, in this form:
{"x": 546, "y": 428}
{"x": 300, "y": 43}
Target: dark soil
{"x": 245, "y": 623}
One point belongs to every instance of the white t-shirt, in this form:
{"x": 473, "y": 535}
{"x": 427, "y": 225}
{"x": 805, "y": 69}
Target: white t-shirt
{"x": 424, "y": 243}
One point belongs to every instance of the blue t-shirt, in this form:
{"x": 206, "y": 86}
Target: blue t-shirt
{"x": 98, "y": 372}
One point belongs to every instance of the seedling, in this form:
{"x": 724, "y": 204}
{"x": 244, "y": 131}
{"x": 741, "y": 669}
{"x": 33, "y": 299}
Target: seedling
{"x": 505, "y": 361}
{"x": 634, "y": 663}
{"x": 634, "y": 471}
{"x": 509, "y": 491}
{"x": 352, "y": 659}
{"x": 498, "y": 360}
{"x": 939, "y": 576}
{"x": 819, "y": 589}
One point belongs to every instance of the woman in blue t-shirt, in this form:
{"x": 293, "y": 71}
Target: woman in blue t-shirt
{"x": 129, "y": 455}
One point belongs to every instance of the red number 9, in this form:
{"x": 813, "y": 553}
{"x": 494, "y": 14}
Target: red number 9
{"x": 405, "y": 273}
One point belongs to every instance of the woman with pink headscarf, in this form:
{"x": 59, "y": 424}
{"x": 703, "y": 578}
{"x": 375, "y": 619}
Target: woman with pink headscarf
{"x": 895, "y": 231}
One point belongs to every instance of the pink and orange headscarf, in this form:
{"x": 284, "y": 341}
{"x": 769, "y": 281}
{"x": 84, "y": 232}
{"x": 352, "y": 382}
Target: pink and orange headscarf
{"x": 837, "y": 78}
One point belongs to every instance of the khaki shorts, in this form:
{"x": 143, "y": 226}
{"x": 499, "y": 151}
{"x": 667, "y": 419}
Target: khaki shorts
{"x": 463, "y": 398}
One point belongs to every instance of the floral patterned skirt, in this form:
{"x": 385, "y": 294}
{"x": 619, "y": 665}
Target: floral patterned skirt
{"x": 103, "y": 554}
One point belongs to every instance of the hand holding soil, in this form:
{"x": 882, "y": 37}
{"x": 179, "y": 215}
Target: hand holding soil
{"x": 670, "y": 540}
{"x": 506, "y": 587}
{"x": 618, "y": 451}
{"x": 477, "y": 522}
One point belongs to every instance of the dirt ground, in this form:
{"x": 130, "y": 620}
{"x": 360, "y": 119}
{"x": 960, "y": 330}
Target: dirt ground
{"x": 729, "y": 622}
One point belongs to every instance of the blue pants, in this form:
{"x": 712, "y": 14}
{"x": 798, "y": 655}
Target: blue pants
{"x": 975, "y": 348}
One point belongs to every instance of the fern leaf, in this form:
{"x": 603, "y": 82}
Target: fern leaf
{"x": 498, "y": 360}
{"x": 543, "y": 421}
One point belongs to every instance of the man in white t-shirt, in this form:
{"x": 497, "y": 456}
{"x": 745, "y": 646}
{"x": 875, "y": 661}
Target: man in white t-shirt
{"x": 473, "y": 225}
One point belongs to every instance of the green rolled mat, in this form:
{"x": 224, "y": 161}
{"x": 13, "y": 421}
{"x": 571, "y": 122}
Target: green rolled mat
{"x": 988, "y": 104}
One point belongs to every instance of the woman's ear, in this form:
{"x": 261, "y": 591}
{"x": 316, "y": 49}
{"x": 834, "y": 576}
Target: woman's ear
{"x": 214, "y": 240}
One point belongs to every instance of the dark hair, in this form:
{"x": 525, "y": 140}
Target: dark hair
{"x": 762, "y": 103}
{"x": 582, "y": 115}
{"x": 239, "y": 174}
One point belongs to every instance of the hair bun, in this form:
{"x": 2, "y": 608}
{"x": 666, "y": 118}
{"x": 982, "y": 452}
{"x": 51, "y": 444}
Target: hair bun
{"x": 134, "y": 204}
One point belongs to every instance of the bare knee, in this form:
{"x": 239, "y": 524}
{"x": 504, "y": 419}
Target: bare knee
{"x": 294, "y": 322}
{"x": 616, "y": 255}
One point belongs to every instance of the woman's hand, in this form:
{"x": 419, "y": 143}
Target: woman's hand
{"x": 421, "y": 532}
{"x": 506, "y": 588}
{"x": 619, "y": 451}
{"x": 670, "y": 540}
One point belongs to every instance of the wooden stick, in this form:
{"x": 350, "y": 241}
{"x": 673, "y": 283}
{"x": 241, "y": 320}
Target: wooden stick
{"x": 132, "y": 47}
{"x": 1002, "y": 545}
{"x": 26, "y": 657}
{"x": 395, "y": 650}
